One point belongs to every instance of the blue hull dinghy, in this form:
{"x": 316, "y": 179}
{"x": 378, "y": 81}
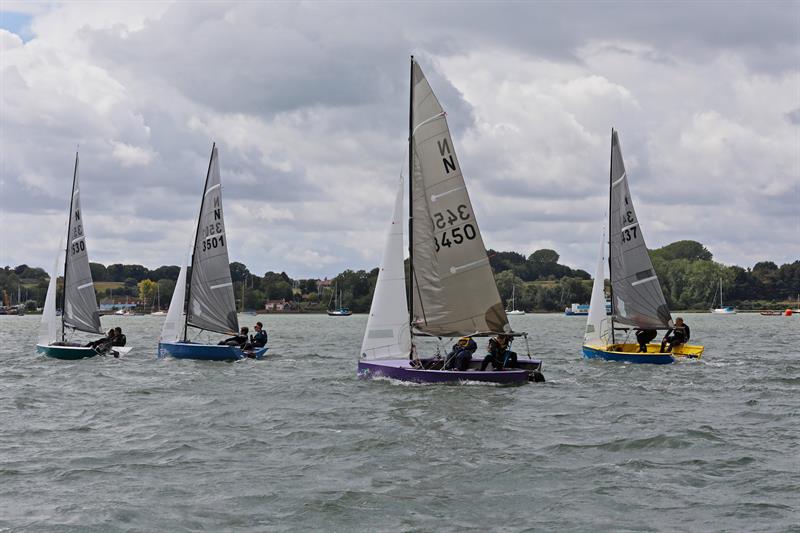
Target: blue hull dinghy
{"x": 210, "y": 302}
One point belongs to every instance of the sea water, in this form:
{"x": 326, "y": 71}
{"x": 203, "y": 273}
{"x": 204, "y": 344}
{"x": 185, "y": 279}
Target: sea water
{"x": 296, "y": 442}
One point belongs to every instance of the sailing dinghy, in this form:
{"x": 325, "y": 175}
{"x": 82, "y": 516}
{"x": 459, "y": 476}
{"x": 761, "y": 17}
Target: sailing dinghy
{"x": 211, "y": 305}
{"x": 722, "y": 310}
{"x": 637, "y": 301}
{"x": 513, "y": 307}
{"x": 453, "y": 292}
{"x": 80, "y": 311}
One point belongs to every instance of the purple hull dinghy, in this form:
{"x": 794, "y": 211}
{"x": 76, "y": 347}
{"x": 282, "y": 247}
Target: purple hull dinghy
{"x": 402, "y": 370}
{"x": 451, "y": 288}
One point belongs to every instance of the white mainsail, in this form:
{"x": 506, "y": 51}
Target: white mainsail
{"x": 387, "y": 334}
{"x": 172, "y": 330}
{"x": 637, "y": 299}
{"x": 48, "y": 329}
{"x": 454, "y": 292}
{"x": 597, "y": 323}
{"x": 80, "y": 301}
{"x": 211, "y": 301}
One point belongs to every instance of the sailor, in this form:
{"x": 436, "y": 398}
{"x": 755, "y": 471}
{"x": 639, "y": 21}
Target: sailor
{"x": 644, "y": 336}
{"x": 676, "y": 336}
{"x": 119, "y": 338}
{"x": 237, "y": 340}
{"x": 103, "y": 340}
{"x": 500, "y": 356}
{"x": 461, "y": 354}
{"x": 259, "y": 339}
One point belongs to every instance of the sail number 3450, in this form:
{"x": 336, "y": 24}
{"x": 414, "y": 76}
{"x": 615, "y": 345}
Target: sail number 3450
{"x": 456, "y": 235}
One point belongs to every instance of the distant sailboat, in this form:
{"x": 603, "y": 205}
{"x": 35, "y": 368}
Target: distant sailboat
{"x": 80, "y": 301}
{"x": 637, "y": 301}
{"x": 211, "y": 305}
{"x": 339, "y": 309}
{"x": 722, "y": 310}
{"x": 453, "y": 292}
{"x": 513, "y": 308}
{"x": 158, "y": 311}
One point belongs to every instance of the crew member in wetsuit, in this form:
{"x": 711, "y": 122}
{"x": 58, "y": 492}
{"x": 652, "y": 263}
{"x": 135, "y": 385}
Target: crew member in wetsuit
{"x": 237, "y": 340}
{"x": 643, "y": 337}
{"x": 499, "y": 353}
{"x": 676, "y": 336}
{"x": 461, "y": 354}
{"x": 119, "y": 338}
{"x": 259, "y": 339}
{"x": 103, "y": 340}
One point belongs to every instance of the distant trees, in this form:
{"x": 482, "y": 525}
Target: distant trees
{"x": 689, "y": 250}
{"x": 147, "y": 291}
{"x": 688, "y": 275}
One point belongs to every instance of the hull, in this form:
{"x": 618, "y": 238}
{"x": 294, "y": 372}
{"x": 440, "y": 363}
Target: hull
{"x": 340, "y": 313}
{"x": 515, "y": 312}
{"x": 206, "y": 352}
{"x": 724, "y": 311}
{"x": 401, "y": 369}
{"x": 629, "y": 353}
{"x": 570, "y": 312}
{"x": 75, "y": 352}
{"x": 66, "y": 352}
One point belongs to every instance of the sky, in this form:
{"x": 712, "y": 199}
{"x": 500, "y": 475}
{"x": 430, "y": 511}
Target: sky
{"x": 308, "y": 105}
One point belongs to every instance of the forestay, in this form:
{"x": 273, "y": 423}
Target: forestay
{"x": 80, "y": 302}
{"x": 597, "y": 323}
{"x": 454, "y": 289}
{"x": 211, "y": 302}
{"x": 637, "y": 297}
{"x": 174, "y": 322}
{"x": 48, "y": 329}
{"x": 387, "y": 334}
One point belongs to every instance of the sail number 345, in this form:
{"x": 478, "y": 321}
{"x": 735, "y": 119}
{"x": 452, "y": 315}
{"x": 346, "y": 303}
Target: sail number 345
{"x": 453, "y": 236}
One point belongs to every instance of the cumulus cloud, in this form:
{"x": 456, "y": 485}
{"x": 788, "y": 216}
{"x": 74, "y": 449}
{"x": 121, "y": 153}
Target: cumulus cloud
{"x": 308, "y": 105}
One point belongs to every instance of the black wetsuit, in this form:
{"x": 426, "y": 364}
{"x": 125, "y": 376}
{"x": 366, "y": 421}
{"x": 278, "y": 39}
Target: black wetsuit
{"x": 259, "y": 339}
{"x": 119, "y": 340}
{"x": 644, "y": 336}
{"x": 460, "y": 356}
{"x": 238, "y": 340}
{"x": 676, "y": 336}
{"x": 499, "y": 356}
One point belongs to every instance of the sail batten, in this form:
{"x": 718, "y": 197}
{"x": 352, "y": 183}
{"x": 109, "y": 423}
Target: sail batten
{"x": 454, "y": 288}
{"x": 80, "y": 305}
{"x": 212, "y": 305}
{"x": 637, "y": 299}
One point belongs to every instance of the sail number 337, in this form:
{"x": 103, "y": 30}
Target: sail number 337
{"x": 453, "y": 236}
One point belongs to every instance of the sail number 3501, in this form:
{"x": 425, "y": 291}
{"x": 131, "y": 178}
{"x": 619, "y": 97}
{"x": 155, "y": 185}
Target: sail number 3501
{"x": 213, "y": 242}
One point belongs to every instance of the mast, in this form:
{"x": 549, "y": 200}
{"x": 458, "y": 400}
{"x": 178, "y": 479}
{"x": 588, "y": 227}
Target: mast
{"x": 194, "y": 246}
{"x": 610, "y": 272}
{"x": 411, "y": 207}
{"x": 66, "y": 252}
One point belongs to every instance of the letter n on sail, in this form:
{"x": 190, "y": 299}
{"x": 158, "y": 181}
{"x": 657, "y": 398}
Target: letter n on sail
{"x": 449, "y": 162}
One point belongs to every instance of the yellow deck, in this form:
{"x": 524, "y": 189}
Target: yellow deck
{"x": 688, "y": 351}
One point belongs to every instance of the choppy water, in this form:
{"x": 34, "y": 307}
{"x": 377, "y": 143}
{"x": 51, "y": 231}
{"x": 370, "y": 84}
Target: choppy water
{"x": 297, "y": 443}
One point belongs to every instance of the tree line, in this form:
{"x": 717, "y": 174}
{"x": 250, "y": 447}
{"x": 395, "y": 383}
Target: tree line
{"x": 689, "y": 278}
